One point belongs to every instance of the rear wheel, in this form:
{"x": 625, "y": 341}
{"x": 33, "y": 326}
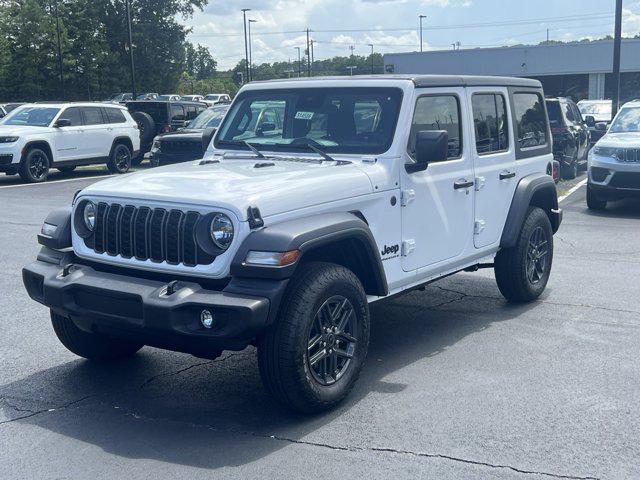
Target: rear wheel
{"x": 311, "y": 357}
{"x": 91, "y": 345}
{"x": 120, "y": 160}
{"x": 593, "y": 202}
{"x": 34, "y": 167}
{"x": 522, "y": 271}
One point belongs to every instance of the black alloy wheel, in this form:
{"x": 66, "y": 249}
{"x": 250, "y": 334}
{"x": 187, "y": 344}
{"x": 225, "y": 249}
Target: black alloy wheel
{"x": 537, "y": 255}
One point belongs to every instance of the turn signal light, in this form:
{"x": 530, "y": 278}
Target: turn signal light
{"x": 272, "y": 259}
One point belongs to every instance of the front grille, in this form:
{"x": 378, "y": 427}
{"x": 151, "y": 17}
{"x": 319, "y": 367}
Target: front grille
{"x": 628, "y": 155}
{"x": 625, "y": 180}
{"x": 181, "y": 147}
{"x": 145, "y": 233}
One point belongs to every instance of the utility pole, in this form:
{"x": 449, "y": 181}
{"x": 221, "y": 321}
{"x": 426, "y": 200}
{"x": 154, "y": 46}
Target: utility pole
{"x": 299, "y": 62}
{"x": 372, "y": 67}
{"x": 312, "y": 56}
{"x": 246, "y": 48}
{"x": 59, "y": 52}
{"x": 308, "y": 55}
{"x": 547, "y": 35}
{"x": 133, "y": 74}
{"x": 421, "y": 17}
{"x": 617, "y": 40}
{"x": 250, "y": 54}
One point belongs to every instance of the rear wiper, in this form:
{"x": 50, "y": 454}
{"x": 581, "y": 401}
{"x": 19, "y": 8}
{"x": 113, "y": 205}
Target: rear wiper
{"x": 254, "y": 149}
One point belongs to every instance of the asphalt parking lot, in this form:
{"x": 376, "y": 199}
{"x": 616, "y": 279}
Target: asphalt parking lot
{"x": 458, "y": 383}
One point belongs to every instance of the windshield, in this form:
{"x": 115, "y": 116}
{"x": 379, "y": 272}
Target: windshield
{"x": 166, "y": 97}
{"x": 212, "y": 97}
{"x": 627, "y": 120}
{"x": 598, "y": 109}
{"x": 345, "y": 120}
{"x": 211, "y": 117}
{"x": 31, "y": 116}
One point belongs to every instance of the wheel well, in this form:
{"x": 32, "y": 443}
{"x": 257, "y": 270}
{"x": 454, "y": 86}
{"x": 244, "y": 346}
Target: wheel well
{"x": 546, "y": 200}
{"x": 123, "y": 141}
{"x": 42, "y": 146}
{"x": 353, "y": 254}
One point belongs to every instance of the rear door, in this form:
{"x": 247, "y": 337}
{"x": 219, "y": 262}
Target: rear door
{"x": 437, "y": 213}
{"x": 96, "y": 137}
{"x": 494, "y": 162}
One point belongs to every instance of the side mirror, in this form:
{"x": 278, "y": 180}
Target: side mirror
{"x": 590, "y": 121}
{"x": 63, "y": 122}
{"x": 601, "y": 126}
{"x": 431, "y": 146}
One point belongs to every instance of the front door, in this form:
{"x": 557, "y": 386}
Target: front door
{"x": 494, "y": 162}
{"x": 437, "y": 212}
{"x": 68, "y": 140}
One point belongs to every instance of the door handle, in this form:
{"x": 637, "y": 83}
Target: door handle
{"x": 507, "y": 174}
{"x": 464, "y": 183}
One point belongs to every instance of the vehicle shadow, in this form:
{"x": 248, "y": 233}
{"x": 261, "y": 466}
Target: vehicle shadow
{"x": 625, "y": 209}
{"x": 217, "y": 414}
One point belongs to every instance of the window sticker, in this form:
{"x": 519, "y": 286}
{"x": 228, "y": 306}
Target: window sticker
{"x": 304, "y": 115}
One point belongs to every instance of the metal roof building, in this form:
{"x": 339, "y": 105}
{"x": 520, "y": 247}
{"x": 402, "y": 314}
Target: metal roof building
{"x": 580, "y": 70}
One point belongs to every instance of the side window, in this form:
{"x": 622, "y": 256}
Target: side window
{"x": 177, "y": 113}
{"x": 92, "y": 115}
{"x": 530, "y": 118}
{"x": 490, "y": 123}
{"x": 115, "y": 116}
{"x": 576, "y": 113}
{"x": 568, "y": 112}
{"x": 73, "y": 115}
{"x": 437, "y": 112}
{"x": 191, "y": 112}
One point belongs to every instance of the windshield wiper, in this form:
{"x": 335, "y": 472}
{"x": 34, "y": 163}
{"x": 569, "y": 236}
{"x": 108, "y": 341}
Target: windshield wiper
{"x": 324, "y": 155}
{"x": 254, "y": 149}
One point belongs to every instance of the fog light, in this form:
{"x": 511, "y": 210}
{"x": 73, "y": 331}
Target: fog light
{"x": 206, "y": 319}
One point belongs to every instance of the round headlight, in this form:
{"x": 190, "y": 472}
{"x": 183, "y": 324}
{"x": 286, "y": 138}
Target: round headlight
{"x": 221, "y": 231}
{"x": 89, "y": 216}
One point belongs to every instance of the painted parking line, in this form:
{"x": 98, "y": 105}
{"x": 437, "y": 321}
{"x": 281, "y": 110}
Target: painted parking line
{"x": 573, "y": 189}
{"x": 20, "y": 185}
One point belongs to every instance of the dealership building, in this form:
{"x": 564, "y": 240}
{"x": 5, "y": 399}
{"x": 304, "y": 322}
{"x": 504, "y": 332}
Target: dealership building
{"x": 577, "y": 70}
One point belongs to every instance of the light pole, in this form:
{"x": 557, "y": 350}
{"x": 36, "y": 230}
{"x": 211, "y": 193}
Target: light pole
{"x": 246, "y": 50}
{"x": 371, "y": 45}
{"x": 299, "y": 61}
{"x": 421, "y": 17}
{"x": 59, "y": 52}
{"x": 617, "y": 40}
{"x": 250, "y": 55}
{"x": 133, "y": 74}
{"x": 351, "y": 68}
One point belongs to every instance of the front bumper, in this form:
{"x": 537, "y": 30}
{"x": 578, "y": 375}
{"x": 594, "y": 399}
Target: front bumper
{"x": 611, "y": 179}
{"x": 140, "y": 309}
{"x": 159, "y": 158}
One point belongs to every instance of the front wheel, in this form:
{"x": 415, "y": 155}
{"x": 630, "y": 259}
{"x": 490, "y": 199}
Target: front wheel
{"x": 593, "y": 202}
{"x": 522, "y": 271}
{"x": 312, "y": 356}
{"x": 91, "y": 345}
{"x": 34, "y": 167}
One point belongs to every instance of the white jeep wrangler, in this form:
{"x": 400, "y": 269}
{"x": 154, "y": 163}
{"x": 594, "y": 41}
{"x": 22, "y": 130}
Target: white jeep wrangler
{"x": 37, "y": 137}
{"x": 355, "y": 191}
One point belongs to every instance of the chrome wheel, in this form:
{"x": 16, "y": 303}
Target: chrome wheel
{"x": 537, "y": 255}
{"x": 332, "y": 340}
{"x": 38, "y": 166}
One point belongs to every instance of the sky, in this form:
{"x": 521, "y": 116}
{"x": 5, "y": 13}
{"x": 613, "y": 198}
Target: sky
{"x": 393, "y": 25}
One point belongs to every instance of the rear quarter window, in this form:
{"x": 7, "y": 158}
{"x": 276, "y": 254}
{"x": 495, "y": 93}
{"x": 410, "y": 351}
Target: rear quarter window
{"x": 530, "y": 119}
{"x": 115, "y": 115}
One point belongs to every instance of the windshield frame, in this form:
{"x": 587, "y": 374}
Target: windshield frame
{"x": 19, "y": 109}
{"x": 278, "y": 94}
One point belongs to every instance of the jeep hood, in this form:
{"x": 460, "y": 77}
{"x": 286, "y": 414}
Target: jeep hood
{"x": 274, "y": 186}
{"x": 620, "y": 140}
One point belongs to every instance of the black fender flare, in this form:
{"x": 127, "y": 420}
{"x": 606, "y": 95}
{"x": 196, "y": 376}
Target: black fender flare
{"x": 537, "y": 189}
{"x": 60, "y": 238}
{"x": 308, "y": 234}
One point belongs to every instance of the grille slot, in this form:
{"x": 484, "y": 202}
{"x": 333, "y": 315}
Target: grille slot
{"x": 147, "y": 233}
{"x": 628, "y": 155}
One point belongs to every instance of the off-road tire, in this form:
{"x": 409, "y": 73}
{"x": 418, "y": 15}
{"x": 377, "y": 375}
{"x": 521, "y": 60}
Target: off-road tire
{"x": 146, "y": 127}
{"x": 282, "y": 350}
{"x": 33, "y": 172}
{"x": 569, "y": 172}
{"x": 120, "y": 159}
{"x": 511, "y": 263}
{"x": 593, "y": 202}
{"x": 91, "y": 346}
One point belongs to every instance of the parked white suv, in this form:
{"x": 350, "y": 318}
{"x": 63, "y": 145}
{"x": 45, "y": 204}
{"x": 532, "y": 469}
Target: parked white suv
{"x": 215, "y": 98}
{"x": 37, "y": 137}
{"x": 614, "y": 162}
{"x": 350, "y": 191}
